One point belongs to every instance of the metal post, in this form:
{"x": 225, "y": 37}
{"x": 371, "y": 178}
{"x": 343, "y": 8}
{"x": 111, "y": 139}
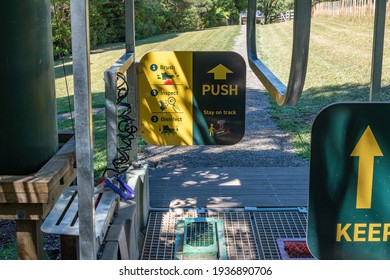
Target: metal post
{"x": 377, "y": 52}
{"x": 83, "y": 129}
{"x": 290, "y": 94}
{"x": 111, "y": 117}
{"x": 133, "y": 97}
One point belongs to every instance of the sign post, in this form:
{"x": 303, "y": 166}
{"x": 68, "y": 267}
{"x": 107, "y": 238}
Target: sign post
{"x": 349, "y": 195}
{"x": 192, "y": 98}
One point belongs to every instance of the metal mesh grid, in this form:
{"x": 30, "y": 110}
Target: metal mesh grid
{"x": 241, "y": 243}
{"x": 200, "y": 234}
{"x": 159, "y": 242}
{"x": 248, "y": 235}
{"x": 272, "y": 225}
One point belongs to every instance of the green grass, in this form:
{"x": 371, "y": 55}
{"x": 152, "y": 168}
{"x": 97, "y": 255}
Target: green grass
{"x": 339, "y": 70}
{"x": 10, "y": 251}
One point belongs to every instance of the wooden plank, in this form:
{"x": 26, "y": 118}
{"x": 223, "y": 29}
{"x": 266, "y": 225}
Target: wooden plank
{"x": 21, "y": 211}
{"x": 231, "y": 184}
{"x": 25, "y": 211}
{"x": 229, "y": 187}
{"x": 230, "y": 170}
{"x": 30, "y": 240}
{"x": 56, "y": 168}
{"x": 28, "y": 199}
{"x": 230, "y": 194}
{"x": 291, "y": 186}
{"x": 31, "y": 196}
{"x": 236, "y": 179}
{"x": 57, "y": 172}
{"x": 258, "y": 173}
{"x": 16, "y": 183}
{"x": 233, "y": 181}
{"x": 12, "y": 197}
{"x": 48, "y": 178}
{"x": 237, "y": 198}
{"x": 31, "y": 211}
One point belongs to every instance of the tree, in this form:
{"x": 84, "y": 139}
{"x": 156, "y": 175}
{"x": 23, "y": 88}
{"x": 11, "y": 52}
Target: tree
{"x": 148, "y": 18}
{"x": 271, "y": 8}
{"x": 218, "y": 13}
{"x": 241, "y": 5}
{"x": 179, "y": 15}
{"x": 60, "y": 14}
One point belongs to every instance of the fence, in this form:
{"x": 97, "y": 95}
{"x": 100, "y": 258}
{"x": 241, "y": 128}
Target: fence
{"x": 349, "y": 8}
{"x": 286, "y": 16}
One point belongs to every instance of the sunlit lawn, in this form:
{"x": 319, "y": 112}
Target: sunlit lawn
{"x": 339, "y": 69}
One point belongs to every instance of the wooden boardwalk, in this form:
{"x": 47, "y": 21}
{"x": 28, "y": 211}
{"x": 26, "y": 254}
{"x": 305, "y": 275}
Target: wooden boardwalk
{"x": 229, "y": 187}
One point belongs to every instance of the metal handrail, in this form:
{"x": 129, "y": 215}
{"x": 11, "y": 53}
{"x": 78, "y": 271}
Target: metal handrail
{"x": 302, "y": 21}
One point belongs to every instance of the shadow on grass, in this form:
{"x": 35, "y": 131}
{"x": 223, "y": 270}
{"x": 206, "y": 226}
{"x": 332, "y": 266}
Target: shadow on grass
{"x": 65, "y": 104}
{"x": 60, "y": 70}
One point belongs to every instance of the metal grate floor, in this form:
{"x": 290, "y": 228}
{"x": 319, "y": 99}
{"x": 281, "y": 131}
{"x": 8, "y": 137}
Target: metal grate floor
{"x": 200, "y": 234}
{"x": 160, "y": 236}
{"x": 275, "y": 224}
{"x": 249, "y": 235}
{"x": 241, "y": 243}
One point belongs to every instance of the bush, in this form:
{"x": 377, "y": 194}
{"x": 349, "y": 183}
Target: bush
{"x": 60, "y": 14}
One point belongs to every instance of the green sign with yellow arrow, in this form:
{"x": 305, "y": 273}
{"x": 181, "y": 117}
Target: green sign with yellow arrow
{"x": 366, "y": 149}
{"x": 349, "y": 193}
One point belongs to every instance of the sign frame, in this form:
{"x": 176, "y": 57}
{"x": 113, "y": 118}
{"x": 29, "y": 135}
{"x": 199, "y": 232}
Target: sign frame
{"x": 206, "y": 103}
{"x": 349, "y": 190}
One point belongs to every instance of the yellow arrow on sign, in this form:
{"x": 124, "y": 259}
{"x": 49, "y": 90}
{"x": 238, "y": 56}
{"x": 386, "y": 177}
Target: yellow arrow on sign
{"x": 366, "y": 149}
{"x": 220, "y": 72}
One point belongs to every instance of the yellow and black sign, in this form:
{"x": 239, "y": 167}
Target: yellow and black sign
{"x": 349, "y": 193}
{"x": 192, "y": 98}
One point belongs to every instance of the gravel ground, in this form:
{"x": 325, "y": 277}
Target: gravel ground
{"x": 263, "y": 145}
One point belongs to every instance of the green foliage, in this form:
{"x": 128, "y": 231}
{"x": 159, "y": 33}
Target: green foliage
{"x": 152, "y": 17}
{"x": 241, "y": 5}
{"x": 9, "y": 251}
{"x": 271, "y": 8}
{"x": 107, "y": 21}
{"x": 148, "y": 18}
{"x": 60, "y": 13}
